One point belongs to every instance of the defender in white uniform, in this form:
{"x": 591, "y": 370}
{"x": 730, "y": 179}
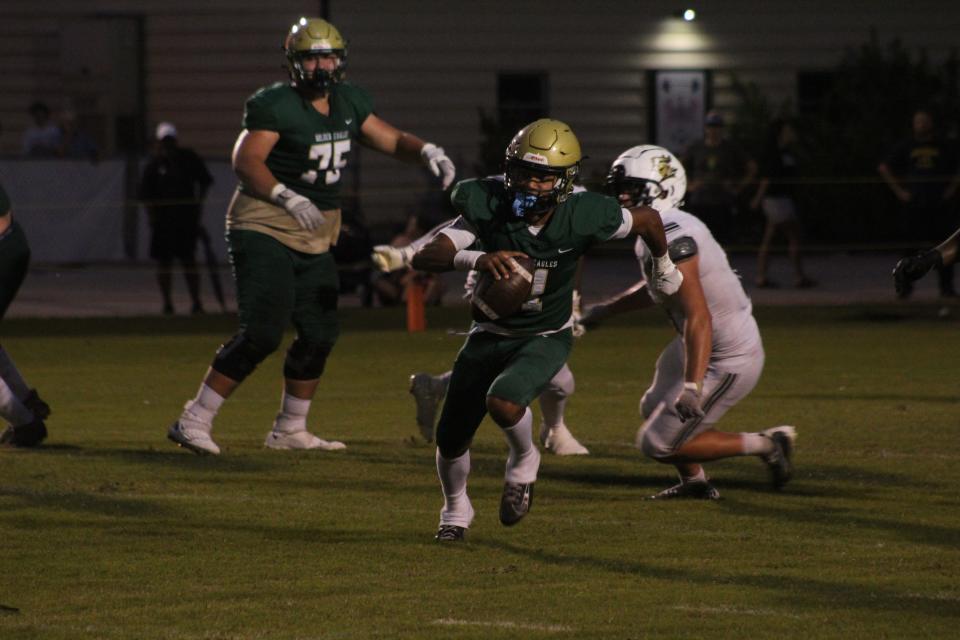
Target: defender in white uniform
{"x": 717, "y": 356}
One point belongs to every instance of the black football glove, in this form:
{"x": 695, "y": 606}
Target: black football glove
{"x": 913, "y": 268}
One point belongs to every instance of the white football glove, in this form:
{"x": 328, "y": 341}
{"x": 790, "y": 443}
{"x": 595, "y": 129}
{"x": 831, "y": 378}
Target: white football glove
{"x": 578, "y": 328}
{"x": 688, "y": 402}
{"x": 666, "y": 277}
{"x": 438, "y": 163}
{"x": 300, "y": 208}
{"x": 387, "y": 258}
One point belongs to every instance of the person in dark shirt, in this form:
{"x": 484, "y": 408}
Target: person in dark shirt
{"x": 775, "y": 197}
{"x": 174, "y": 184}
{"x": 921, "y": 171}
{"x": 718, "y": 170}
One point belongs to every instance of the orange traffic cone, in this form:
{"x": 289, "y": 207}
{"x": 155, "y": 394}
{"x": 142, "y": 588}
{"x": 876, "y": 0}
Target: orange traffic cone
{"x": 416, "y": 311}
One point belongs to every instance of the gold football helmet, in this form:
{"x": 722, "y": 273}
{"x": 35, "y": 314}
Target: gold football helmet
{"x": 544, "y": 148}
{"x": 312, "y": 36}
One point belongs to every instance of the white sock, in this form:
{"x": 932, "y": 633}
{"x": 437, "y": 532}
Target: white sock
{"x": 756, "y": 444}
{"x": 10, "y": 374}
{"x": 700, "y": 476}
{"x": 524, "y": 459}
{"x": 205, "y": 405}
{"x": 553, "y": 400}
{"x": 11, "y": 409}
{"x": 453, "y": 473}
{"x": 293, "y": 414}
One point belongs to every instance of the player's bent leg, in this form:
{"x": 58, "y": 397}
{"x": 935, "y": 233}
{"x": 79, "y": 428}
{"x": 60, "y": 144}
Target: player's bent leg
{"x": 302, "y": 369}
{"x": 555, "y": 436}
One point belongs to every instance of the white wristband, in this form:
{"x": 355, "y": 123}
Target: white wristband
{"x": 664, "y": 264}
{"x": 696, "y": 387}
{"x": 276, "y": 191}
{"x": 464, "y": 260}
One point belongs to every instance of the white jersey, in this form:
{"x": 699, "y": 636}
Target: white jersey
{"x": 736, "y": 338}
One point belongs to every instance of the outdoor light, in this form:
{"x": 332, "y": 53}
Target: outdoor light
{"x": 689, "y": 15}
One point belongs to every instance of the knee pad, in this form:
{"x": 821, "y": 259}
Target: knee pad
{"x": 306, "y": 360}
{"x": 238, "y": 357}
{"x": 652, "y": 446}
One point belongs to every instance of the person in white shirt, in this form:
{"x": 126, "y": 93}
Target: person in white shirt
{"x": 716, "y": 358}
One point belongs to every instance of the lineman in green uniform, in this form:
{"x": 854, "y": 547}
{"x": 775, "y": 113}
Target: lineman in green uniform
{"x": 506, "y": 363}
{"x": 296, "y": 140}
{"x": 20, "y": 406}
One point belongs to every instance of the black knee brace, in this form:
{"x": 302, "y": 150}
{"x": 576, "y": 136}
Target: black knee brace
{"x": 306, "y": 360}
{"x": 238, "y": 357}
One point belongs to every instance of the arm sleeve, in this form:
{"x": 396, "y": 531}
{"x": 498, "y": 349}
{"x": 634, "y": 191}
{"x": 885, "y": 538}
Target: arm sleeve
{"x": 626, "y": 224}
{"x": 461, "y": 233}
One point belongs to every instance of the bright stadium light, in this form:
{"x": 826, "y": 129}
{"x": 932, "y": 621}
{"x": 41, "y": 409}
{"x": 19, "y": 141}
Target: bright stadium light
{"x": 689, "y": 15}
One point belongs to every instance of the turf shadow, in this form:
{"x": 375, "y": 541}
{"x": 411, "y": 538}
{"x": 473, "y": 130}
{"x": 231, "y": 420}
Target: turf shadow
{"x": 809, "y": 592}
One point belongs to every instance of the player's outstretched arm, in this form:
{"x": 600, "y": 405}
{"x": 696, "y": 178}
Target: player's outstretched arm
{"x": 388, "y": 258}
{"x": 632, "y": 299}
{"x": 648, "y": 225}
{"x": 384, "y": 137}
{"x": 914, "y": 267}
{"x": 948, "y": 248}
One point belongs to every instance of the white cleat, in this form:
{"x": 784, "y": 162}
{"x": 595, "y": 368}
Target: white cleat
{"x": 561, "y": 442}
{"x": 424, "y": 390}
{"x": 193, "y": 435}
{"x": 300, "y": 440}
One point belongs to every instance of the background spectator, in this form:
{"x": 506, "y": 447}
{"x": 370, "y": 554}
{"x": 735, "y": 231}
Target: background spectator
{"x": 75, "y": 142}
{"x": 921, "y": 171}
{"x": 42, "y": 138}
{"x": 718, "y": 170}
{"x": 776, "y": 198}
{"x": 173, "y": 187}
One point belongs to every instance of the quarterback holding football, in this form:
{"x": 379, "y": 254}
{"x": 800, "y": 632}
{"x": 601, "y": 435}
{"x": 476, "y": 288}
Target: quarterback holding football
{"x": 510, "y": 359}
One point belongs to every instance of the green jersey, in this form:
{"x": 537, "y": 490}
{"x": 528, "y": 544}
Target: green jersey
{"x": 4, "y": 202}
{"x": 580, "y": 221}
{"x": 313, "y": 148}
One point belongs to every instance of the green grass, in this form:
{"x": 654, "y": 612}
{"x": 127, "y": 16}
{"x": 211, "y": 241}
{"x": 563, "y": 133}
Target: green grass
{"x": 111, "y": 532}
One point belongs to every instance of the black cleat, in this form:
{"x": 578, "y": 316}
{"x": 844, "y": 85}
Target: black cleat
{"x": 689, "y": 491}
{"x": 778, "y": 461}
{"x": 33, "y": 402}
{"x": 515, "y": 502}
{"x": 450, "y": 533}
{"x": 26, "y": 435}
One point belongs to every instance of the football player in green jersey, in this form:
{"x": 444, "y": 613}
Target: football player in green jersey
{"x": 296, "y": 140}
{"x": 507, "y": 362}
{"x": 20, "y": 406}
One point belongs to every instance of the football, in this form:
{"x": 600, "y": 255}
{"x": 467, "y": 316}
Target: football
{"x": 494, "y": 299}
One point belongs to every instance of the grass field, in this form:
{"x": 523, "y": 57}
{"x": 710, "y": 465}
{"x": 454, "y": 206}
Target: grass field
{"x": 109, "y": 531}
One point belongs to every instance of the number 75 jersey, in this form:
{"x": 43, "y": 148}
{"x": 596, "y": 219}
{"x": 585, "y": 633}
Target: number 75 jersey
{"x": 313, "y": 148}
